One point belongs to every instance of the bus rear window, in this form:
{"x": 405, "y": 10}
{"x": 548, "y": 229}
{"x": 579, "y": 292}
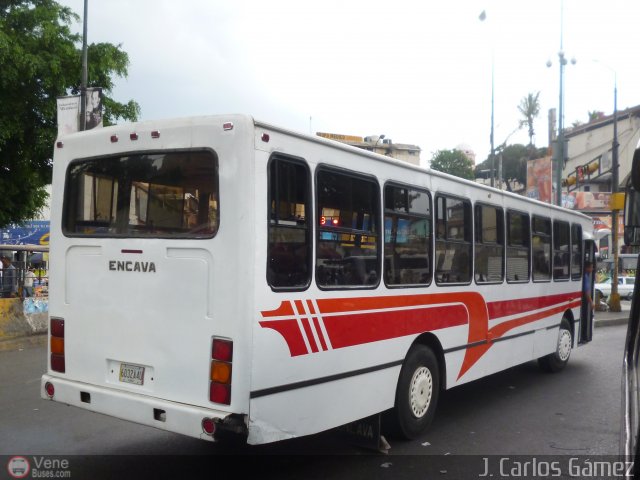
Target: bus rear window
{"x": 143, "y": 195}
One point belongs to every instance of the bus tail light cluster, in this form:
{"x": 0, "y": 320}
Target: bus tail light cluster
{"x": 57, "y": 345}
{"x": 221, "y": 361}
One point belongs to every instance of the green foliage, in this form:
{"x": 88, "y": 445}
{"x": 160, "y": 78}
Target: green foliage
{"x": 514, "y": 163}
{"x": 529, "y": 108}
{"x": 453, "y": 162}
{"x": 595, "y": 115}
{"x": 41, "y": 60}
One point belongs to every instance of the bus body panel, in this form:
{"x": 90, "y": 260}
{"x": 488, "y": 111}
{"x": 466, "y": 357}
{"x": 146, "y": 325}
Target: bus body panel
{"x": 158, "y": 302}
{"x": 318, "y": 368}
{"x": 304, "y": 359}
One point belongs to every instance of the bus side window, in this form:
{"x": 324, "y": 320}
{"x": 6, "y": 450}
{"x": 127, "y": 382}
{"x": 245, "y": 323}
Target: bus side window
{"x": 407, "y": 238}
{"x": 576, "y": 252}
{"x": 561, "y": 253}
{"x": 453, "y": 240}
{"x": 517, "y": 247}
{"x": 489, "y": 233}
{"x": 541, "y": 246}
{"x": 289, "y": 248}
{"x": 347, "y": 250}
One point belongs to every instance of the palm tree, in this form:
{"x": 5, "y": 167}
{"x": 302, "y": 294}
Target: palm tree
{"x": 529, "y": 108}
{"x": 595, "y": 115}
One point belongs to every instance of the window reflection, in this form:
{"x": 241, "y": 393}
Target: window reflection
{"x": 156, "y": 195}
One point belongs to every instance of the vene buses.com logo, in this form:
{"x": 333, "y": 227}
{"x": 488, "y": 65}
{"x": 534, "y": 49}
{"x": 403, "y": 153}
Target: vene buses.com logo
{"x": 18, "y": 467}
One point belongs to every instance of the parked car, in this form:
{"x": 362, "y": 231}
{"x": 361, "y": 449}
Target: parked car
{"x": 625, "y": 287}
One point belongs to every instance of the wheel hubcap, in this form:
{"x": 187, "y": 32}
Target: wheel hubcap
{"x": 564, "y": 345}
{"x": 421, "y": 389}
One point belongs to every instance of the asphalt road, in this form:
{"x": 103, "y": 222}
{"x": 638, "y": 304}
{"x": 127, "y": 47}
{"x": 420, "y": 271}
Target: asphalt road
{"x": 521, "y": 411}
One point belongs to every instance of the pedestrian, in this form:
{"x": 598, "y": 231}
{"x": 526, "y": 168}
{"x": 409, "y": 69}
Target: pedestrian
{"x": 29, "y": 278}
{"x": 587, "y": 285}
{"x": 9, "y": 277}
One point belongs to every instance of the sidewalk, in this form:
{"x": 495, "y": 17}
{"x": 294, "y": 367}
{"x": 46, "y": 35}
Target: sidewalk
{"x": 608, "y": 319}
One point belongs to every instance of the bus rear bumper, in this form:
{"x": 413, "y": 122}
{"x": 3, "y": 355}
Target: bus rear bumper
{"x": 142, "y": 409}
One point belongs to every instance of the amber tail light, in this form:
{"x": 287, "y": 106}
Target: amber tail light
{"x": 220, "y": 372}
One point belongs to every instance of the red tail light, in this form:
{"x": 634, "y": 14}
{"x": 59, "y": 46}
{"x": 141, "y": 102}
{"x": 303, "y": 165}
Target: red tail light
{"x": 56, "y": 341}
{"x": 208, "y": 426}
{"x": 222, "y": 350}
{"x": 220, "y": 393}
{"x": 220, "y": 371}
{"x": 48, "y": 387}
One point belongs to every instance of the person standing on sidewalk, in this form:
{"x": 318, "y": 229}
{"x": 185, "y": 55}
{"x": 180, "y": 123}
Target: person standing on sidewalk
{"x": 587, "y": 286}
{"x": 29, "y": 277}
{"x": 9, "y": 280}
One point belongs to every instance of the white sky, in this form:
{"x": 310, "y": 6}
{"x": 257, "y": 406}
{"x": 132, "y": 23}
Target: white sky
{"x": 418, "y": 72}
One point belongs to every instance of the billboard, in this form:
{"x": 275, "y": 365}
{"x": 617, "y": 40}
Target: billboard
{"x": 587, "y": 201}
{"x": 539, "y": 178}
{"x": 68, "y": 114}
{"x": 93, "y": 110}
{"x": 603, "y": 223}
{"x": 35, "y": 232}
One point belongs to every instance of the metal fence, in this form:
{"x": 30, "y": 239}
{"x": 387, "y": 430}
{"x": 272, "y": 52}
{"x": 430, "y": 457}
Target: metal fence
{"x": 38, "y": 286}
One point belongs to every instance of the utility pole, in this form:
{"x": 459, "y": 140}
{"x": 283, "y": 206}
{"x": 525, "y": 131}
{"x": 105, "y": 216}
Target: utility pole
{"x": 83, "y": 84}
{"x": 614, "y": 301}
{"x": 483, "y": 17}
{"x": 560, "y": 146}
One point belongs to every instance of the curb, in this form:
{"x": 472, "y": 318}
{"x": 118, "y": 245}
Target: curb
{"x": 610, "y": 322}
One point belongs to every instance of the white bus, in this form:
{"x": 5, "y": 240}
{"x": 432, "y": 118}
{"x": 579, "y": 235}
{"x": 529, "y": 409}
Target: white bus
{"x": 219, "y": 274}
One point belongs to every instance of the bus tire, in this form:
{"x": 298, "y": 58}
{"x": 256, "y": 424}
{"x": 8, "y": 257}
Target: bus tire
{"x": 557, "y": 360}
{"x": 416, "y": 393}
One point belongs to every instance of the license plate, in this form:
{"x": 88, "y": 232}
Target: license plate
{"x": 131, "y": 373}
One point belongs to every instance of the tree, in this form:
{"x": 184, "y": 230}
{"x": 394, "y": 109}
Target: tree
{"x": 529, "y": 108}
{"x": 454, "y": 162}
{"x": 41, "y": 60}
{"x": 514, "y": 163}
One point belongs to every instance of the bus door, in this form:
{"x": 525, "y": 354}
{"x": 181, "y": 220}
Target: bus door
{"x": 586, "y": 312}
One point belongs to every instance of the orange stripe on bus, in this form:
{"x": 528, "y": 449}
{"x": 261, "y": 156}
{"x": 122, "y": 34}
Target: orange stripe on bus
{"x": 360, "y": 320}
{"x": 474, "y": 354}
{"x": 284, "y": 310}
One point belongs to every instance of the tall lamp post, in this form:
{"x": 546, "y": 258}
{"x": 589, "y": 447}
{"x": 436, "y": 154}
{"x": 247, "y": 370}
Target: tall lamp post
{"x": 560, "y": 147}
{"x": 83, "y": 84}
{"x": 483, "y": 17}
{"x": 614, "y": 298}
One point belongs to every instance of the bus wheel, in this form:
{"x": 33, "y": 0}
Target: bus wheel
{"x": 557, "y": 360}
{"x": 416, "y": 393}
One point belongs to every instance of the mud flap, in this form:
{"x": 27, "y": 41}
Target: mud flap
{"x": 366, "y": 433}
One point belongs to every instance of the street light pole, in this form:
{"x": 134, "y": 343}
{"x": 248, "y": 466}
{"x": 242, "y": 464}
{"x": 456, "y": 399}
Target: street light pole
{"x": 483, "y": 17}
{"x": 83, "y": 84}
{"x": 493, "y": 149}
{"x": 560, "y": 147}
{"x": 614, "y": 298}
{"x": 560, "y": 141}
{"x": 614, "y": 301}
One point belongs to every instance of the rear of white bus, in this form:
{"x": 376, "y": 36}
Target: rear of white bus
{"x": 150, "y": 224}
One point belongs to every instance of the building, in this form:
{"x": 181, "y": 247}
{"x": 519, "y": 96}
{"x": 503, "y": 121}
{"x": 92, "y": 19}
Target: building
{"x": 587, "y": 174}
{"x": 379, "y": 144}
{"x": 468, "y": 151}
{"x": 589, "y": 163}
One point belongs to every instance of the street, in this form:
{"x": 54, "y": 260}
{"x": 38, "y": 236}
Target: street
{"x": 521, "y": 411}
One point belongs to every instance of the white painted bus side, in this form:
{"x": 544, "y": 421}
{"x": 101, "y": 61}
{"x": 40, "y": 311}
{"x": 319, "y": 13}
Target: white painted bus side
{"x": 307, "y": 355}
